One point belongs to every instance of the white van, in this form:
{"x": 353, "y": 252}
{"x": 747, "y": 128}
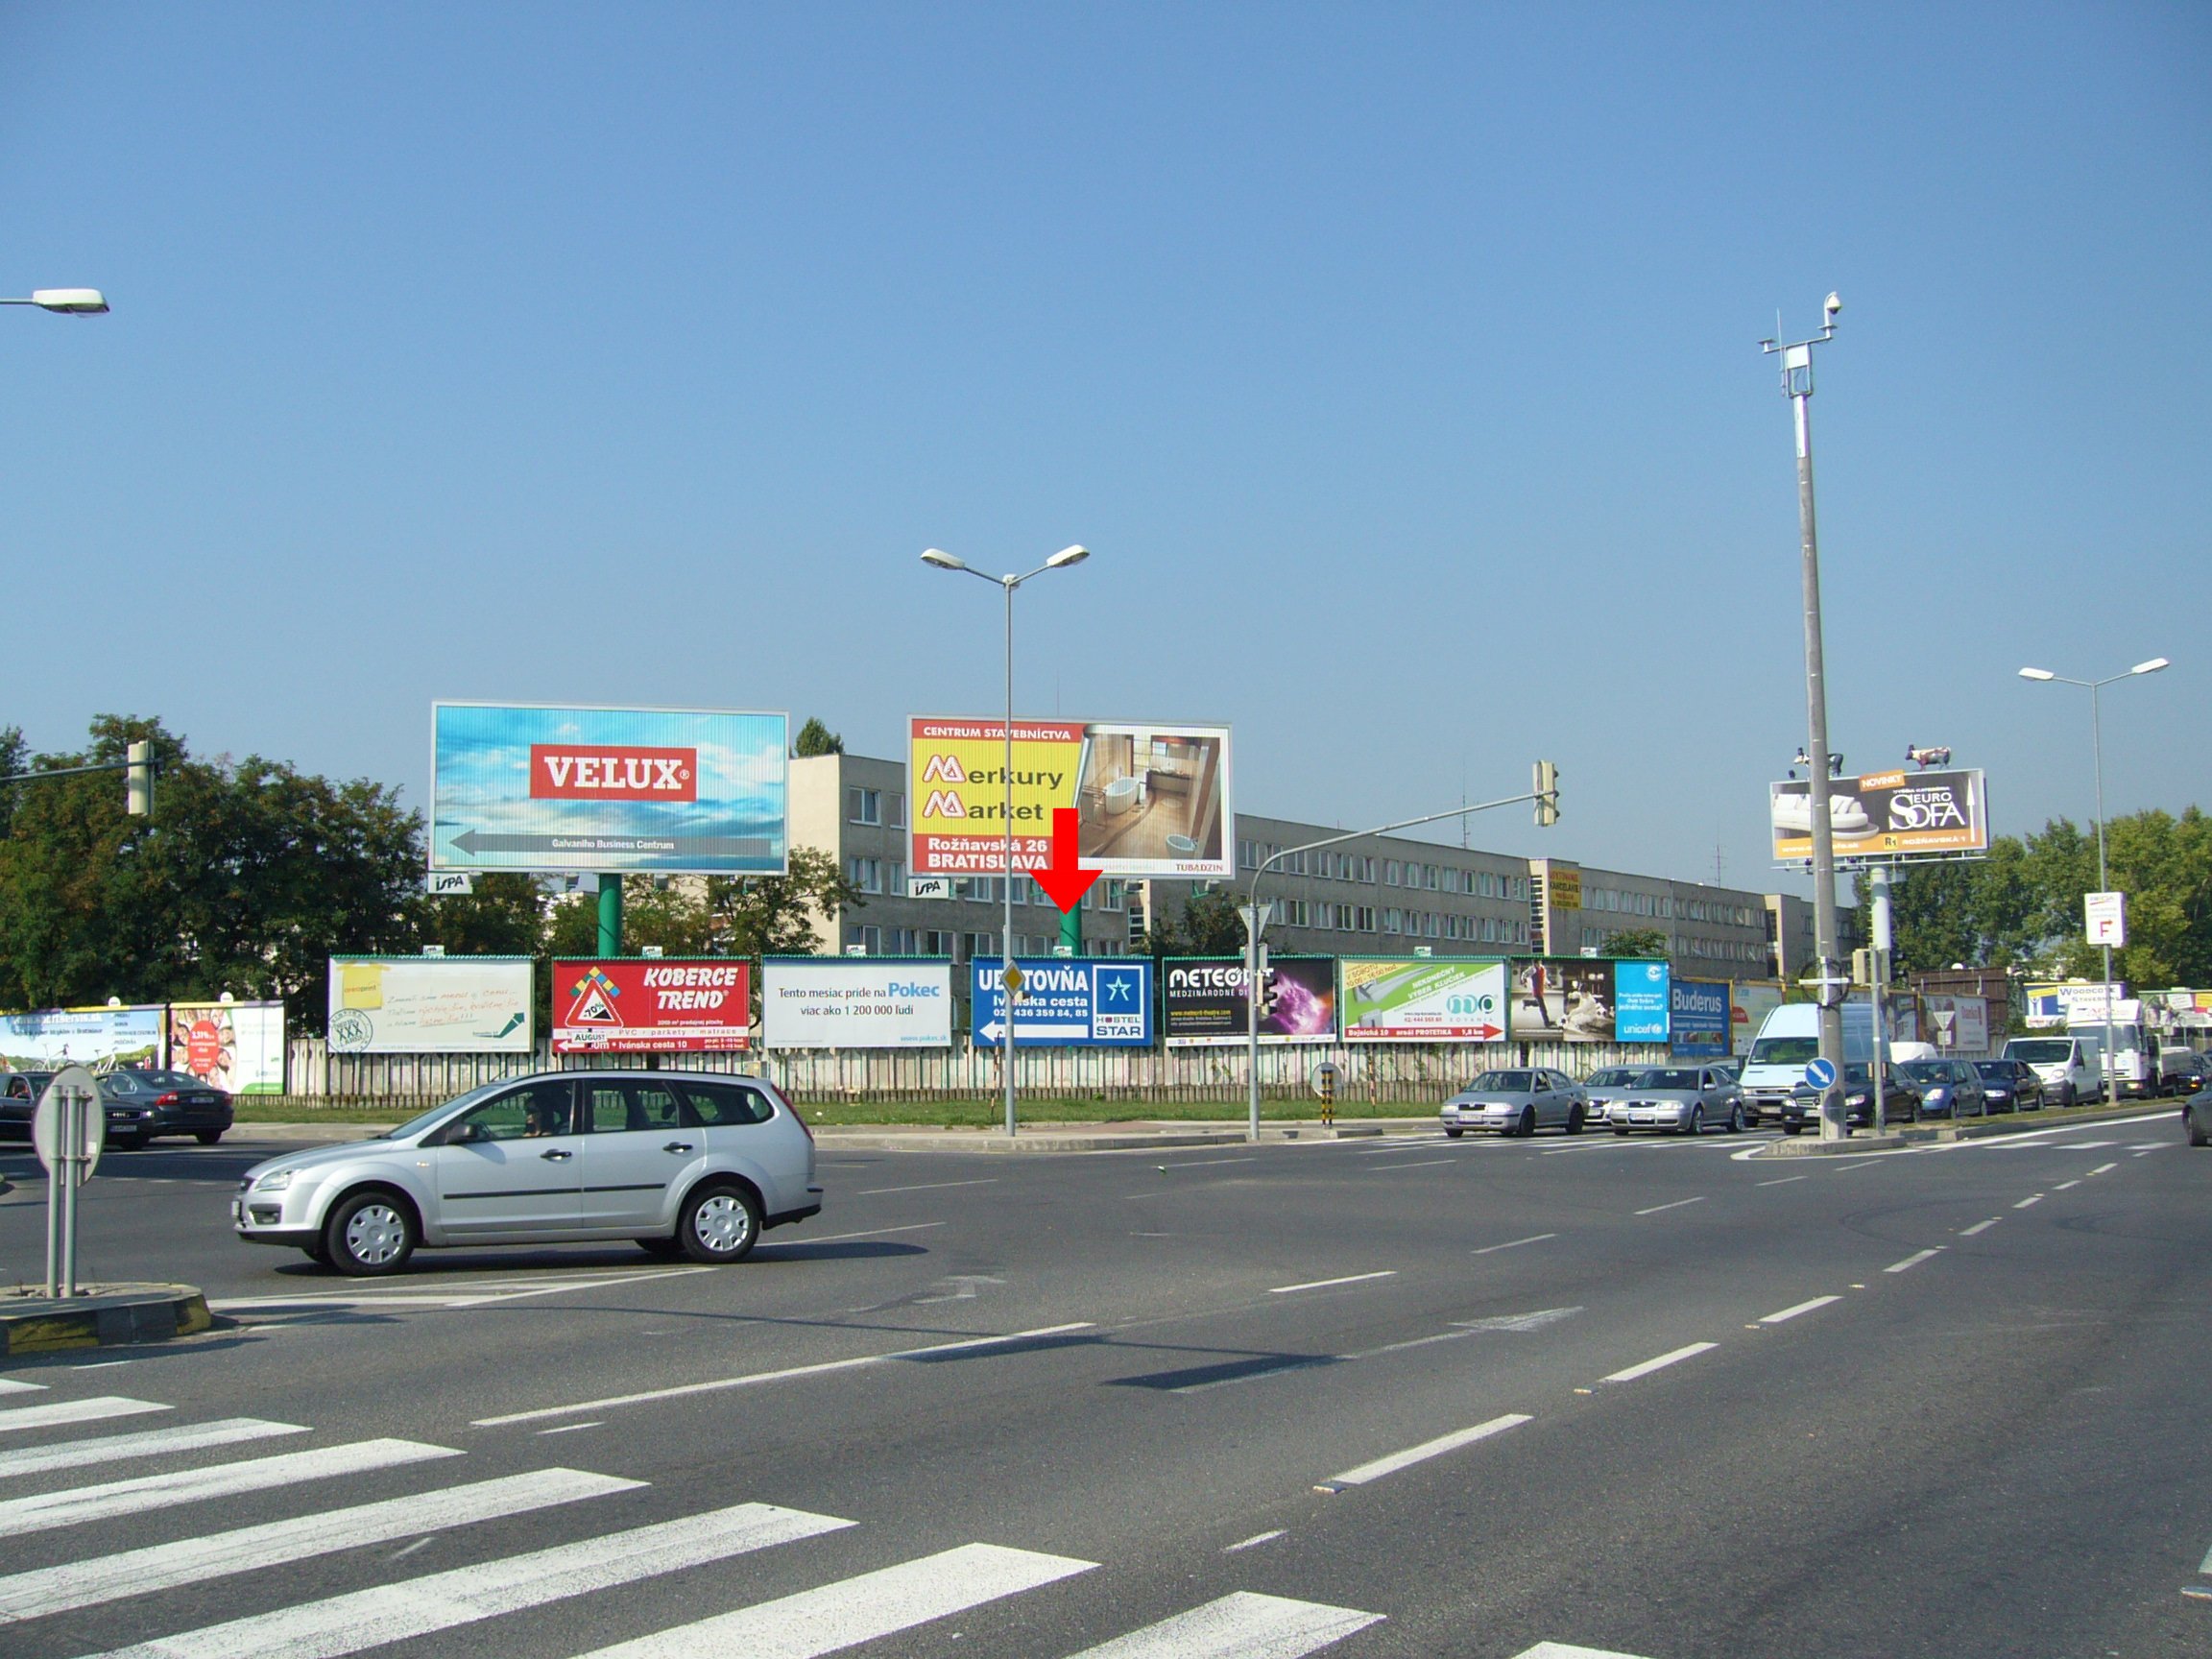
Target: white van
{"x": 1787, "y": 1041}
{"x": 2067, "y": 1064}
{"x": 2133, "y": 1062}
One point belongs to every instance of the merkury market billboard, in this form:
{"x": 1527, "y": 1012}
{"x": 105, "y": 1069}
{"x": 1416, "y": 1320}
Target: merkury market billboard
{"x": 1151, "y": 800}
{"x": 667, "y": 791}
{"x": 1899, "y": 816}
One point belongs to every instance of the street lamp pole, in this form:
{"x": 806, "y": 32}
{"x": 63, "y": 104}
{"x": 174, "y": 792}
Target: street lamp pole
{"x": 1060, "y": 561}
{"x": 2111, "y": 1071}
{"x": 1831, "y": 979}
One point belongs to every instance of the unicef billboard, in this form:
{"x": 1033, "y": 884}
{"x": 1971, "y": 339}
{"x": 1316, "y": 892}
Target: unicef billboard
{"x": 671, "y": 791}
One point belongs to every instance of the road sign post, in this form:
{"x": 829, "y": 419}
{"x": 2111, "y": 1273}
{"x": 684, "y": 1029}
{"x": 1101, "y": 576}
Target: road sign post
{"x": 1325, "y": 1076}
{"x": 68, "y": 1128}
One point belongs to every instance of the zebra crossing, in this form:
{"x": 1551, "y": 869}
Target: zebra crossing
{"x": 62, "y": 1440}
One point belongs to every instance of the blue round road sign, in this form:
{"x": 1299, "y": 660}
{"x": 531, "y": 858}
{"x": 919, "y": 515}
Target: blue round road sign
{"x": 1821, "y": 1073}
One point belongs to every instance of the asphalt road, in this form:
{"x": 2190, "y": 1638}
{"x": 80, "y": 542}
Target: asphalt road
{"x": 1414, "y": 1396}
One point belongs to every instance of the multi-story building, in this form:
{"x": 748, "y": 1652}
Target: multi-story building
{"x": 1790, "y": 952}
{"x": 1719, "y": 932}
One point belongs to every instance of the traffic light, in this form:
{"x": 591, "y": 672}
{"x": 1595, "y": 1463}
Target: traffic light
{"x": 138, "y": 779}
{"x": 1547, "y": 794}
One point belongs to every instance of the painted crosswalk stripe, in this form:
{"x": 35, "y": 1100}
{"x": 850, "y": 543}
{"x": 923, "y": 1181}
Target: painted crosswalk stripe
{"x": 10, "y": 1386}
{"x": 149, "y": 1443}
{"x": 1243, "y": 1626}
{"x": 411, "y": 1607}
{"x": 1661, "y": 1362}
{"x": 859, "y": 1609}
{"x": 1567, "y": 1650}
{"x": 1422, "y": 1453}
{"x": 79, "y": 1584}
{"x": 1801, "y": 1307}
{"x": 77, "y": 1503}
{"x": 61, "y": 1412}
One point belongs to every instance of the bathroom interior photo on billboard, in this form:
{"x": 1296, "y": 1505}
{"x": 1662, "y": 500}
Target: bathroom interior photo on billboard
{"x": 1150, "y": 793}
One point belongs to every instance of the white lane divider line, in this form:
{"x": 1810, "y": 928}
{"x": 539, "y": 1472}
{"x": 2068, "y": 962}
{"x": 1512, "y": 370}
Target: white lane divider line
{"x": 754, "y": 1379}
{"x": 2205, "y": 1568}
{"x": 9, "y": 1386}
{"x": 2035, "y": 1198}
{"x": 1801, "y": 1307}
{"x": 575, "y": 1428}
{"x": 1422, "y": 1453}
{"x": 56, "y": 1412}
{"x": 1243, "y": 1626}
{"x": 1423, "y": 1164}
{"x": 2103, "y": 1167}
{"x": 1515, "y": 1243}
{"x": 1980, "y": 1227}
{"x": 927, "y": 1187}
{"x": 1256, "y": 1539}
{"x": 2148, "y": 1145}
{"x": 47, "y": 1510}
{"x": 1914, "y": 1261}
{"x": 2065, "y": 1185}
{"x": 1661, "y": 1363}
{"x": 1783, "y": 1182}
{"x": 1325, "y": 1284}
{"x": 1676, "y": 1205}
{"x": 151, "y": 1443}
{"x": 1567, "y": 1650}
{"x": 865, "y": 1232}
{"x": 859, "y": 1609}
{"x": 82, "y": 1584}
{"x": 1207, "y": 1163}
{"x": 439, "y": 1601}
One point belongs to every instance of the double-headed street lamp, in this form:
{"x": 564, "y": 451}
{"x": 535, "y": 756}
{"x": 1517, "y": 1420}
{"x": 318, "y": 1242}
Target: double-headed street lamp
{"x": 2103, "y": 883}
{"x": 1008, "y": 980}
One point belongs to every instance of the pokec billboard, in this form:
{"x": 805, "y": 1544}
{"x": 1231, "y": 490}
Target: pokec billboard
{"x": 1207, "y": 1000}
{"x": 813, "y": 1002}
{"x": 673, "y": 791}
{"x": 1885, "y": 815}
{"x": 651, "y": 1005}
{"x": 1421, "y": 999}
{"x": 1149, "y": 799}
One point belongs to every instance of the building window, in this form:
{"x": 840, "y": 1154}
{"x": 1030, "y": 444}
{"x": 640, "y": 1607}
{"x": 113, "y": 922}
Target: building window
{"x": 865, "y": 874}
{"x": 895, "y": 809}
{"x": 869, "y": 939}
{"x": 1391, "y": 873}
{"x": 864, "y": 805}
{"x": 937, "y": 943}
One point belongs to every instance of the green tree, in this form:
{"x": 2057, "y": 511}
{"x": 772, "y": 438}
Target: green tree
{"x": 816, "y": 738}
{"x": 1637, "y": 941}
{"x": 1208, "y": 927}
{"x": 504, "y": 916}
{"x": 775, "y": 915}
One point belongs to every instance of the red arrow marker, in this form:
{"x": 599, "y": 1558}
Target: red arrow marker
{"x": 1064, "y": 880}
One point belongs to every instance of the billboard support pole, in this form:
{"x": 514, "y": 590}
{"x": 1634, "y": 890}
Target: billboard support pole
{"x": 1878, "y": 982}
{"x": 1255, "y": 928}
{"x": 610, "y": 915}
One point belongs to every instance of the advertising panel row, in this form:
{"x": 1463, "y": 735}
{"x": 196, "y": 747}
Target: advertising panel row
{"x": 656, "y": 1005}
{"x": 1149, "y": 799}
{"x": 807, "y": 1002}
{"x": 431, "y": 1005}
{"x": 1206, "y": 1000}
{"x": 1885, "y": 815}
{"x": 1441, "y": 1000}
{"x": 1697, "y": 1019}
{"x": 237, "y": 1046}
{"x": 666, "y": 790}
{"x": 1083, "y": 1003}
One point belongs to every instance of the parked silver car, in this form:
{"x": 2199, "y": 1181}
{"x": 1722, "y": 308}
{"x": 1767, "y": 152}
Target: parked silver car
{"x": 1608, "y": 1084}
{"x": 1681, "y": 1098}
{"x": 1517, "y": 1102}
{"x": 686, "y": 1163}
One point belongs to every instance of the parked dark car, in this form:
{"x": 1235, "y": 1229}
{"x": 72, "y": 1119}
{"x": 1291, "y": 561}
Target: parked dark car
{"x": 1944, "y": 1088}
{"x": 2197, "y": 1118}
{"x": 144, "y": 1105}
{"x": 1899, "y": 1104}
{"x": 2010, "y": 1086}
{"x": 19, "y": 1100}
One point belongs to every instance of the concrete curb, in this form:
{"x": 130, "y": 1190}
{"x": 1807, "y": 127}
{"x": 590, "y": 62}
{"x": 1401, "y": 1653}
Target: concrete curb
{"x": 105, "y": 1316}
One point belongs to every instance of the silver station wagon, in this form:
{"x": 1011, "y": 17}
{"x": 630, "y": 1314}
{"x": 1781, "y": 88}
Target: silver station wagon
{"x": 687, "y": 1164}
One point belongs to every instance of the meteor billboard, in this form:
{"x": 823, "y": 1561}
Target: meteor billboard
{"x": 1149, "y": 799}
{"x": 1885, "y": 815}
{"x": 1208, "y": 1000}
{"x": 670, "y": 791}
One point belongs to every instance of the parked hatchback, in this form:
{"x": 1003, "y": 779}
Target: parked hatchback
{"x": 1517, "y": 1102}
{"x": 1944, "y": 1088}
{"x": 142, "y": 1106}
{"x": 684, "y": 1164}
{"x": 2010, "y": 1085}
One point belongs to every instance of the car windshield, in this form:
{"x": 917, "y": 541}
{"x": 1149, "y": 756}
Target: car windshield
{"x": 1995, "y": 1071}
{"x": 416, "y": 1125}
{"x": 1668, "y": 1077}
{"x": 1502, "y": 1083}
{"x": 1615, "y": 1077}
{"x": 169, "y": 1079}
{"x": 1784, "y": 1050}
{"x": 1925, "y": 1071}
{"x": 2040, "y": 1050}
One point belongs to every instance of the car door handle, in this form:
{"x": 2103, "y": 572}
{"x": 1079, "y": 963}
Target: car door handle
{"x": 677, "y": 1146}
{"x": 556, "y": 1153}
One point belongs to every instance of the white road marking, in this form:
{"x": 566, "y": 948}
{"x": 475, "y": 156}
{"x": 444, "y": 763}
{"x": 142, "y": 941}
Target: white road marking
{"x": 454, "y": 1296}
{"x": 859, "y": 1609}
{"x": 2206, "y": 1566}
{"x": 1980, "y": 1227}
{"x": 1516, "y": 1243}
{"x": 2147, "y": 1151}
{"x": 840, "y": 1238}
{"x": 1242, "y": 1626}
{"x": 1913, "y": 1260}
{"x": 2036, "y": 1198}
{"x": 1207, "y": 1163}
{"x": 2065, "y": 1185}
{"x": 2150, "y": 1146}
{"x": 1801, "y": 1307}
{"x": 1676, "y": 1205}
{"x": 45, "y": 1510}
{"x": 753, "y": 1378}
{"x": 1862, "y": 1164}
{"x": 1422, "y": 1453}
{"x": 2086, "y": 1145}
{"x": 2101, "y": 1167}
{"x": 151, "y": 1443}
{"x": 1536, "y": 1321}
{"x": 927, "y": 1187}
{"x": 572, "y": 1427}
{"x": 1257, "y": 1538}
{"x": 1423, "y": 1164}
{"x": 1783, "y": 1180}
{"x": 1325, "y": 1284}
{"x": 9, "y": 1386}
{"x": 440, "y": 1601}
{"x": 88, "y": 1411}
{"x": 1664, "y": 1360}
{"x": 1567, "y": 1650}
{"x": 141, "y": 1571}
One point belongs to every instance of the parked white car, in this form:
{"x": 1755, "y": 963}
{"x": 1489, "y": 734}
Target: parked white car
{"x": 684, "y": 1162}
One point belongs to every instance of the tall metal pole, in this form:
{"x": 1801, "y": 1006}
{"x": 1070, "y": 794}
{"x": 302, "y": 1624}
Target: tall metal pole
{"x": 1878, "y": 888}
{"x": 1006, "y": 938}
{"x": 2111, "y": 1071}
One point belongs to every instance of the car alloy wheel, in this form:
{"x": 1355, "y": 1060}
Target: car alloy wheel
{"x": 720, "y": 1224}
{"x": 368, "y": 1234}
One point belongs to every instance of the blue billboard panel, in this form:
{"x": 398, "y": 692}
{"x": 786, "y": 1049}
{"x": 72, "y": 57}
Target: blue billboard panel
{"x": 1700, "y": 1013}
{"x": 1089, "y": 1003}
{"x": 1640, "y": 1001}
{"x": 675, "y": 791}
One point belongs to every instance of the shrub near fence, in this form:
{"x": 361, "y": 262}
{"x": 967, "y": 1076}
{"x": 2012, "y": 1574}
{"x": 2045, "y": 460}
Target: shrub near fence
{"x": 1403, "y": 1073}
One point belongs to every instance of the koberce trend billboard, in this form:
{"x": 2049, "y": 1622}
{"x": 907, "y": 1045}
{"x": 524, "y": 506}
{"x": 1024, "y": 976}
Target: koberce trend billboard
{"x": 672, "y": 791}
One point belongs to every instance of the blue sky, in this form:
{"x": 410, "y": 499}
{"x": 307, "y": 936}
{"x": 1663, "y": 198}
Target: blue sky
{"x": 1398, "y": 365}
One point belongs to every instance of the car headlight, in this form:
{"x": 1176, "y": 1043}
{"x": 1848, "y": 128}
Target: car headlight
{"x": 276, "y": 1181}
{"x": 1857, "y": 1099}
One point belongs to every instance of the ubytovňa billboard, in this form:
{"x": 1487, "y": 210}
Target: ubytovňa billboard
{"x": 1149, "y": 799}
{"x": 651, "y": 1005}
{"x": 1080, "y": 1001}
{"x": 1208, "y": 1000}
{"x": 666, "y": 790}
{"x": 1421, "y": 999}
{"x": 854, "y": 1002}
{"x": 237, "y": 1046}
{"x": 1899, "y": 816}
{"x": 1698, "y": 1017}
{"x": 431, "y": 1005}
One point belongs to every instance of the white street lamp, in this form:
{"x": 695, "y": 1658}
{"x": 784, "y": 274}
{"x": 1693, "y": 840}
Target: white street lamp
{"x": 65, "y": 301}
{"x": 1060, "y": 561}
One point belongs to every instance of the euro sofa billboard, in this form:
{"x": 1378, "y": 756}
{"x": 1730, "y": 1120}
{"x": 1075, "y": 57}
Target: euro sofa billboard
{"x": 1206, "y": 1000}
{"x": 1149, "y": 799}
{"x": 808, "y": 1002}
{"x": 430, "y": 1006}
{"x": 1885, "y": 815}
{"x": 671, "y": 791}
{"x": 1424, "y": 1000}
{"x": 651, "y": 1005}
